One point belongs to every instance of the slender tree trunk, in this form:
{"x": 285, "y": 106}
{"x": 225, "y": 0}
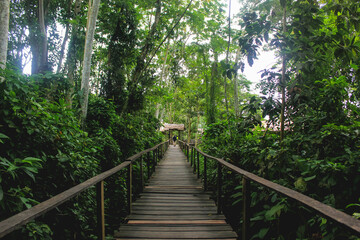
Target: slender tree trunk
{"x": 43, "y": 66}
{"x": 282, "y": 82}
{"x": 225, "y": 96}
{"x": 91, "y": 25}
{"x": 227, "y": 61}
{"x": 162, "y": 114}
{"x": 163, "y": 69}
{"x": 31, "y": 16}
{"x": 170, "y": 113}
{"x": 157, "y": 112}
{"x": 212, "y": 107}
{"x": 236, "y": 94}
{"x": 71, "y": 57}
{"x": 189, "y": 129}
{"x": 62, "y": 50}
{"x": 4, "y": 29}
{"x": 197, "y": 128}
{"x": 144, "y": 52}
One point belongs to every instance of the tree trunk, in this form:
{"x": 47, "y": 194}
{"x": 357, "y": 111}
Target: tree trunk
{"x": 282, "y": 82}
{"x": 31, "y": 14}
{"x": 4, "y": 30}
{"x": 157, "y": 112}
{"x": 212, "y": 107}
{"x": 163, "y": 69}
{"x": 170, "y": 113}
{"x": 189, "y": 129}
{"x": 197, "y": 127}
{"x": 62, "y": 50}
{"x": 71, "y": 57}
{"x": 144, "y": 52}
{"x": 225, "y": 96}
{"x": 236, "y": 94}
{"x": 43, "y": 63}
{"x": 91, "y": 25}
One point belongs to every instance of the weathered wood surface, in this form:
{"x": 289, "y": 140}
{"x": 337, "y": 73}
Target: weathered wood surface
{"x": 174, "y": 206}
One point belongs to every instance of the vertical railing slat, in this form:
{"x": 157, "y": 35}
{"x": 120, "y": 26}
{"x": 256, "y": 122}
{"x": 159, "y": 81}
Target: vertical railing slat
{"x": 148, "y": 165}
{"x": 205, "y": 173}
{"x": 129, "y": 188}
{"x": 142, "y": 173}
{"x": 219, "y": 186}
{"x": 100, "y": 210}
{"x": 246, "y": 208}
{"x": 198, "y": 164}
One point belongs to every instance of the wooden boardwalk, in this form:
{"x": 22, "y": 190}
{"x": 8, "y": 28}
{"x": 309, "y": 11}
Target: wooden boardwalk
{"x": 174, "y": 206}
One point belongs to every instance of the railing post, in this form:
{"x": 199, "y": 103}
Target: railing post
{"x": 142, "y": 173}
{"x": 129, "y": 188}
{"x": 205, "y": 173}
{"x": 100, "y": 210}
{"x": 198, "y": 164}
{"x": 193, "y": 157}
{"x": 153, "y": 161}
{"x": 246, "y": 208}
{"x": 148, "y": 165}
{"x": 187, "y": 152}
{"x": 157, "y": 155}
{"x": 219, "y": 185}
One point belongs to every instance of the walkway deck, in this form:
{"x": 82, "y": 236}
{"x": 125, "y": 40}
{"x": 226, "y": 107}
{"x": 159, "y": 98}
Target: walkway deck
{"x": 174, "y": 206}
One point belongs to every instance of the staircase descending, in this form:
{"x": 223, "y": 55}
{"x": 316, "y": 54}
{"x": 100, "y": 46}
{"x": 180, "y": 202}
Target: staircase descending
{"x": 174, "y": 206}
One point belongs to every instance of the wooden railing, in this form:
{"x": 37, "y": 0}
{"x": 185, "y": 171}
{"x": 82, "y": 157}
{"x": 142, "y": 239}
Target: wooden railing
{"x": 20, "y": 219}
{"x": 330, "y": 213}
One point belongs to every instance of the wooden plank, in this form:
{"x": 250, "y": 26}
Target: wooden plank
{"x": 179, "y": 234}
{"x": 184, "y": 204}
{"x": 145, "y": 201}
{"x": 172, "y": 208}
{"x": 169, "y": 190}
{"x": 176, "y": 217}
{"x": 176, "y": 228}
{"x": 179, "y": 196}
{"x": 174, "y": 212}
{"x": 184, "y": 222}
{"x": 171, "y": 238}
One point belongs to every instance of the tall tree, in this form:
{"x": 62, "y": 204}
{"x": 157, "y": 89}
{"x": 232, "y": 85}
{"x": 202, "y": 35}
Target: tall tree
{"x": 71, "y": 56}
{"x": 283, "y": 76}
{"x": 85, "y": 86}
{"x": 43, "y": 63}
{"x": 4, "y": 29}
{"x": 146, "y": 49}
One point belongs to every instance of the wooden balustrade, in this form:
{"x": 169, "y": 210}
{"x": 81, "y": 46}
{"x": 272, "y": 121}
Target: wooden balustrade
{"x": 330, "y": 213}
{"x": 20, "y": 219}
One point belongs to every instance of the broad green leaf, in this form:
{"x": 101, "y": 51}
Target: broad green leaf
{"x": 25, "y": 201}
{"x": 309, "y": 178}
{"x": 274, "y": 211}
{"x": 263, "y": 232}
{"x": 31, "y": 160}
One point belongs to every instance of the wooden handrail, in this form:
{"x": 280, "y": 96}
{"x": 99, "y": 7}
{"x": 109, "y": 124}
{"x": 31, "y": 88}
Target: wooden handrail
{"x": 329, "y": 212}
{"x": 20, "y": 219}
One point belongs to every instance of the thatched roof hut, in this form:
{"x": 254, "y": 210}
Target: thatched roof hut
{"x": 167, "y": 127}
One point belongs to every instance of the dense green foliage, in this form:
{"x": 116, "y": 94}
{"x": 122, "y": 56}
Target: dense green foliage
{"x": 45, "y": 151}
{"x": 319, "y": 154}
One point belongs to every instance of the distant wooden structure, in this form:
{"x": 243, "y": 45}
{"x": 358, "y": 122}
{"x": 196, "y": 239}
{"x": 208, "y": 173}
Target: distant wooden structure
{"x": 171, "y": 127}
